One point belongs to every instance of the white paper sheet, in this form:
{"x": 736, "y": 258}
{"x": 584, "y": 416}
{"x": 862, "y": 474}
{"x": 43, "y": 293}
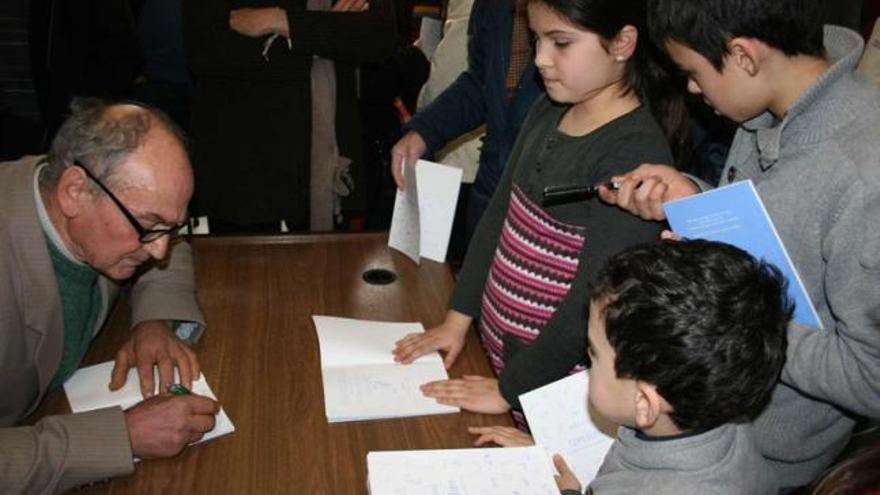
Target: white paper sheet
{"x": 362, "y": 381}
{"x": 87, "y": 390}
{"x": 423, "y": 214}
{"x": 561, "y": 422}
{"x": 405, "y": 235}
{"x": 488, "y": 471}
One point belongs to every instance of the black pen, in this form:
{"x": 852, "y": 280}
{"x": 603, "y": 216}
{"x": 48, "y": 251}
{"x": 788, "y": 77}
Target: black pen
{"x": 570, "y": 193}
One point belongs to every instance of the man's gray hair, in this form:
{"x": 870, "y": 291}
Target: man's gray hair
{"x": 99, "y": 141}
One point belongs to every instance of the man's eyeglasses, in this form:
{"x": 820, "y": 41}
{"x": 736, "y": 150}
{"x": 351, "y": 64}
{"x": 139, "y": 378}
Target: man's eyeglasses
{"x": 145, "y": 236}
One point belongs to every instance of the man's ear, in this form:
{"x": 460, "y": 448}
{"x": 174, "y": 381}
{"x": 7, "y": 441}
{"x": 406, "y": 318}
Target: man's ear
{"x": 73, "y": 192}
{"x": 624, "y": 44}
{"x": 747, "y": 54}
{"x": 650, "y": 405}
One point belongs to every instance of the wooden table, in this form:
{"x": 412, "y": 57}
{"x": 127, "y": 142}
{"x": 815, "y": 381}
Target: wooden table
{"x": 260, "y": 354}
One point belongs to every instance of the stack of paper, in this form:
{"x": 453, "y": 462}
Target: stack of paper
{"x": 562, "y": 423}
{"x": 515, "y": 470}
{"x": 87, "y": 390}
{"x": 361, "y": 379}
{"x": 735, "y": 215}
{"x": 422, "y": 220}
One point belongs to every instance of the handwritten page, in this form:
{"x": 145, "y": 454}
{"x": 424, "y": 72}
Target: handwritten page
{"x": 735, "y": 215}
{"x": 423, "y": 214}
{"x": 87, "y": 390}
{"x": 361, "y": 379}
{"x": 405, "y": 233}
{"x": 562, "y": 422}
{"x": 488, "y": 471}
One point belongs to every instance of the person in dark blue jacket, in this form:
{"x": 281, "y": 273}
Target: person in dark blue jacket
{"x": 480, "y": 95}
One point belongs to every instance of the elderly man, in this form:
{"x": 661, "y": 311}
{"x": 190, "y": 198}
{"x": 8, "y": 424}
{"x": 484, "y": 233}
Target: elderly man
{"x": 74, "y": 227}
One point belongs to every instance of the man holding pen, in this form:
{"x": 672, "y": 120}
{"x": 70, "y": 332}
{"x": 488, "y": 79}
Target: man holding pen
{"x": 97, "y": 214}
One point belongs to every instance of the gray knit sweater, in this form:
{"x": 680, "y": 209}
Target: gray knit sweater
{"x": 721, "y": 461}
{"x": 818, "y": 173}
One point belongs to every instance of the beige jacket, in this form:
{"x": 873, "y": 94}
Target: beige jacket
{"x": 61, "y": 452}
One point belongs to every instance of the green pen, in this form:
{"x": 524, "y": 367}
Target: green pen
{"x": 177, "y": 389}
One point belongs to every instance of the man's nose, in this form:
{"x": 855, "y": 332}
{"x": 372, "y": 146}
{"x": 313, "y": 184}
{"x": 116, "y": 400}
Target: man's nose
{"x": 158, "y": 247}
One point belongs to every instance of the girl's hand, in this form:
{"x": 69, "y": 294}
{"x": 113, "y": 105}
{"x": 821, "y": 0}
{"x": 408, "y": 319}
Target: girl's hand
{"x": 504, "y": 436}
{"x": 472, "y": 393}
{"x": 447, "y": 337}
{"x": 566, "y": 479}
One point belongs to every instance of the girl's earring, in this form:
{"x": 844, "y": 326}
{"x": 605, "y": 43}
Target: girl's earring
{"x": 619, "y": 58}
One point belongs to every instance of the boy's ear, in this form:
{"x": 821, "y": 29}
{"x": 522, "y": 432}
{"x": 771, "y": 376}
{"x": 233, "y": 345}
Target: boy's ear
{"x": 747, "y": 54}
{"x": 624, "y": 44}
{"x": 650, "y": 405}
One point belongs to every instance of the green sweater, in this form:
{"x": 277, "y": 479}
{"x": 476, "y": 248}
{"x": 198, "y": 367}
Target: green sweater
{"x": 81, "y": 304}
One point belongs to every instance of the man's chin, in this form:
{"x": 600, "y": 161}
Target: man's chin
{"x": 120, "y": 272}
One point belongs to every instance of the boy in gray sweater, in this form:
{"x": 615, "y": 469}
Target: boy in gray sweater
{"x": 687, "y": 340}
{"x": 809, "y": 141}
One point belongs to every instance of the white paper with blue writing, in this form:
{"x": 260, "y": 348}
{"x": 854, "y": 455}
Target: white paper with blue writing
{"x": 404, "y": 234}
{"x": 87, "y": 390}
{"x": 423, "y": 214}
{"x": 487, "y": 471}
{"x": 362, "y": 381}
{"x": 734, "y": 214}
{"x": 561, "y": 422}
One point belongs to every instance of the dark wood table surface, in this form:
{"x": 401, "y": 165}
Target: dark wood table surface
{"x": 260, "y": 355}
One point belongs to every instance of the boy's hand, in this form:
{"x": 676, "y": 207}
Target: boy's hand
{"x": 643, "y": 191}
{"x": 504, "y": 436}
{"x": 472, "y": 393}
{"x": 566, "y": 479}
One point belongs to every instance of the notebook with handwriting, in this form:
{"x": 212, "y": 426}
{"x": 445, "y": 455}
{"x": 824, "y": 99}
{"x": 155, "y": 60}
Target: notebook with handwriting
{"x": 421, "y": 222}
{"x": 362, "y": 381}
{"x": 87, "y": 390}
{"x": 562, "y": 422}
{"x": 735, "y": 215}
{"x": 486, "y": 471}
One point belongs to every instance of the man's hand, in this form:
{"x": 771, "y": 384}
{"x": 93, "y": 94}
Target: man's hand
{"x": 259, "y": 22}
{"x": 409, "y": 149}
{"x": 566, "y": 479}
{"x": 504, "y": 436}
{"x": 473, "y": 393}
{"x": 163, "y": 425}
{"x": 152, "y": 343}
{"x": 448, "y": 337}
{"x": 643, "y": 191}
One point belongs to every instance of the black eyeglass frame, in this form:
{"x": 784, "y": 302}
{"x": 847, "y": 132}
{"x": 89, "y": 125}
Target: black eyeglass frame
{"x": 145, "y": 236}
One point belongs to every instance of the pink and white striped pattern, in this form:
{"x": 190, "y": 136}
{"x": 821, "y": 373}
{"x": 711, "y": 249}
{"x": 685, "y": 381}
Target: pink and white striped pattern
{"x": 534, "y": 266}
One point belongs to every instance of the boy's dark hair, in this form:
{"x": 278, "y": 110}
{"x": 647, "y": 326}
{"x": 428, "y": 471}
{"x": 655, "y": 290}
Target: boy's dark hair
{"x": 702, "y": 321}
{"x": 705, "y": 26}
{"x": 649, "y": 72}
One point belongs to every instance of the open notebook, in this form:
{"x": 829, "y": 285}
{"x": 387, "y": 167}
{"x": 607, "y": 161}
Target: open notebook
{"x": 361, "y": 379}
{"x": 87, "y": 390}
{"x": 562, "y": 422}
{"x": 423, "y": 213}
{"x": 486, "y": 471}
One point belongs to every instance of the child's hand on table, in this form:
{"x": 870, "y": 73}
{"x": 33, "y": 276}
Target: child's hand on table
{"x": 505, "y": 436}
{"x": 473, "y": 393}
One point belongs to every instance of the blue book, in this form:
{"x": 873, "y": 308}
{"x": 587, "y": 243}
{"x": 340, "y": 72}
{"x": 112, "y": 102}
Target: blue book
{"x": 734, "y": 214}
